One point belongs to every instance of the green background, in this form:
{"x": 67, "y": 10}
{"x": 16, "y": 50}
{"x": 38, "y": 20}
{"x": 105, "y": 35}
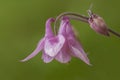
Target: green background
{"x": 22, "y": 25}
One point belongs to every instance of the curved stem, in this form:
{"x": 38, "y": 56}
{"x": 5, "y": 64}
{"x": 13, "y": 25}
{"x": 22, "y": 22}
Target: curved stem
{"x": 113, "y": 32}
{"x": 76, "y": 16}
{"x": 71, "y": 15}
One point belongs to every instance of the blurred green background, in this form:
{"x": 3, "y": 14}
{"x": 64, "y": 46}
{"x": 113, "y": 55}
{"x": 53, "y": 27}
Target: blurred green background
{"x": 22, "y": 25}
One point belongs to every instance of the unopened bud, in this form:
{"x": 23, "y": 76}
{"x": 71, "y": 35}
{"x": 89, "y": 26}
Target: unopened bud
{"x": 98, "y": 24}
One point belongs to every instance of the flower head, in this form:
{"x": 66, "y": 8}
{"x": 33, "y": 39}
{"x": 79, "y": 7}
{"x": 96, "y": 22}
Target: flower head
{"x": 71, "y": 46}
{"x": 49, "y": 44}
{"x": 60, "y": 47}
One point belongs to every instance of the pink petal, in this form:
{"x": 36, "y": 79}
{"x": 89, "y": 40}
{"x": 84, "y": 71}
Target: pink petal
{"x": 63, "y": 25}
{"x": 74, "y": 45}
{"x": 78, "y": 51}
{"x": 63, "y": 57}
{"x": 69, "y": 30}
{"x": 36, "y": 51}
{"x": 48, "y": 31}
{"x": 54, "y": 45}
{"x": 46, "y": 58}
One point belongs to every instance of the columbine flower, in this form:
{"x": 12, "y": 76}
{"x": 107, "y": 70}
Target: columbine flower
{"x": 60, "y": 47}
{"x": 98, "y": 24}
{"x": 71, "y": 46}
{"x": 49, "y": 44}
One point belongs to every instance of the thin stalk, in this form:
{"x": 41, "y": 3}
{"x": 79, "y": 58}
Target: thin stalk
{"x": 113, "y": 32}
{"x": 78, "y": 18}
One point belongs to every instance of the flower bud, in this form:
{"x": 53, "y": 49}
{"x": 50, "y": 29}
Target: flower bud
{"x": 98, "y": 24}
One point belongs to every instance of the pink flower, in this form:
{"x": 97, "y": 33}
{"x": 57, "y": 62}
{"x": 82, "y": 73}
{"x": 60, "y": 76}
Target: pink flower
{"x": 61, "y": 47}
{"x": 49, "y": 44}
{"x": 71, "y": 46}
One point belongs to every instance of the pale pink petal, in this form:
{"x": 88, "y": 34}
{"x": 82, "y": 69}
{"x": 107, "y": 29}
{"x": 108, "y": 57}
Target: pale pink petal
{"x": 74, "y": 45}
{"x": 46, "y": 58}
{"x": 48, "y": 31}
{"x": 36, "y": 51}
{"x": 63, "y": 57}
{"x": 63, "y": 25}
{"x": 54, "y": 45}
{"x": 78, "y": 51}
{"x": 69, "y": 31}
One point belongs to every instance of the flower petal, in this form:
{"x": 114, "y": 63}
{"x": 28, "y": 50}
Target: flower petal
{"x": 63, "y": 25}
{"x": 69, "y": 31}
{"x": 53, "y": 45}
{"x": 48, "y": 31}
{"x": 63, "y": 57}
{"x": 36, "y": 51}
{"x": 46, "y": 58}
{"x": 78, "y": 51}
{"x": 74, "y": 45}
